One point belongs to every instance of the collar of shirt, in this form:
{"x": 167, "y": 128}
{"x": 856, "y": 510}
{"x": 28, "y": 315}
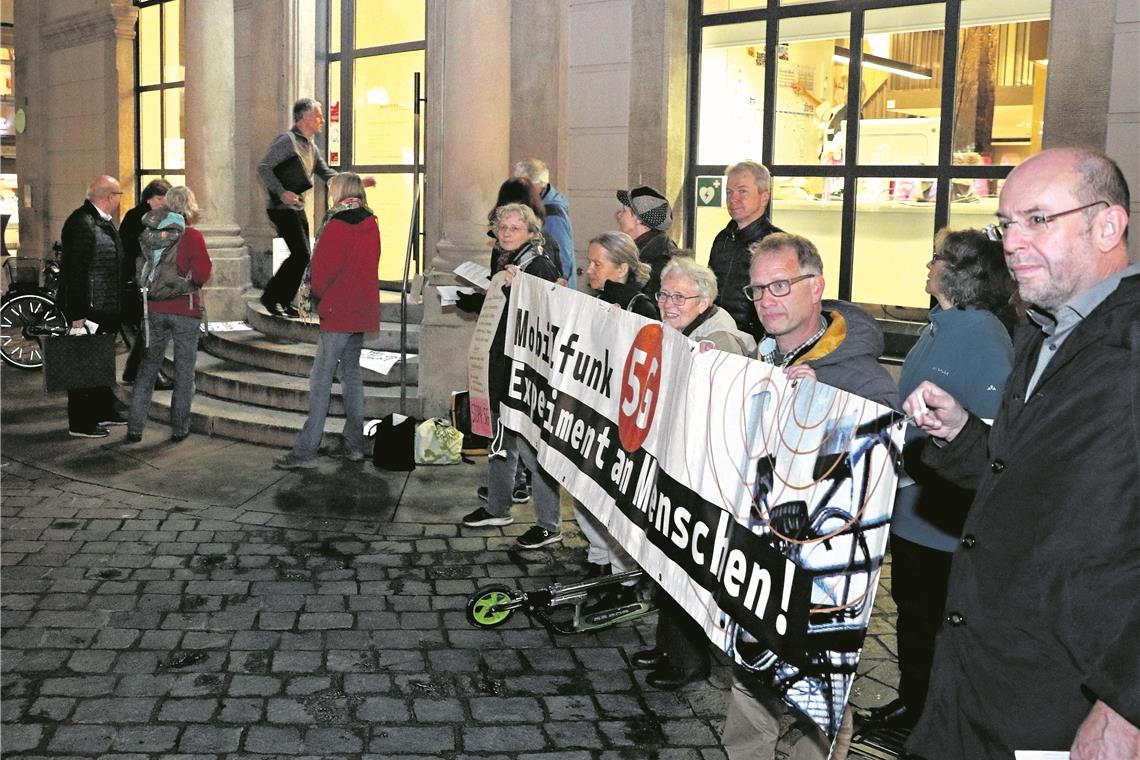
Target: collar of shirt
{"x": 770, "y": 352}
{"x": 1081, "y": 305}
{"x": 102, "y": 213}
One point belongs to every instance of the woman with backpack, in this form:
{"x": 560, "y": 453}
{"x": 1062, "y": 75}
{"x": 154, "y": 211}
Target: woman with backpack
{"x": 173, "y": 267}
{"x": 345, "y": 284}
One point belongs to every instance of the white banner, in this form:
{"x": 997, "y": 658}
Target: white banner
{"x": 761, "y": 505}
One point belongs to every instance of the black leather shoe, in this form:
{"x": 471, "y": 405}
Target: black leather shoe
{"x": 596, "y": 571}
{"x": 290, "y": 310}
{"x": 273, "y": 309}
{"x": 649, "y": 659}
{"x": 163, "y": 384}
{"x": 669, "y": 678}
{"x": 894, "y": 714}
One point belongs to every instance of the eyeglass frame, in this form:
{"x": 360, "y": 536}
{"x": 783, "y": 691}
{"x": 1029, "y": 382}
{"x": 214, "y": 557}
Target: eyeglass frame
{"x": 790, "y": 282}
{"x": 1039, "y": 222}
{"x": 511, "y": 228}
{"x": 676, "y": 299}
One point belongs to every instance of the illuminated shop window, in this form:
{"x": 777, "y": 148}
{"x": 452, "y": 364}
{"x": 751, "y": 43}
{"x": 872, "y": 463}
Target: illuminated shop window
{"x": 869, "y": 173}
{"x": 369, "y": 52}
{"x": 159, "y": 93}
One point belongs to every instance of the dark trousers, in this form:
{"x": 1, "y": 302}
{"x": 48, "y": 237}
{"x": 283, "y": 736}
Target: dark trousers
{"x": 919, "y": 577}
{"x": 87, "y": 407}
{"x": 680, "y": 637}
{"x": 293, "y": 226}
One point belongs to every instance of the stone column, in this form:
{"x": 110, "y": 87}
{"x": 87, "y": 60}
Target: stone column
{"x": 468, "y": 115}
{"x": 210, "y": 162}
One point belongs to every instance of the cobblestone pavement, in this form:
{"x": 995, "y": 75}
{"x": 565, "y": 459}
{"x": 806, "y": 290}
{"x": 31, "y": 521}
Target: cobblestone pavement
{"x": 308, "y": 616}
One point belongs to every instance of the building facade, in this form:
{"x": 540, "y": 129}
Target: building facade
{"x": 610, "y": 93}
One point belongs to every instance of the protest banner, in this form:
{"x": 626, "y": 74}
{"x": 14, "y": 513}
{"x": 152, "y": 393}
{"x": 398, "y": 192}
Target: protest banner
{"x": 760, "y": 504}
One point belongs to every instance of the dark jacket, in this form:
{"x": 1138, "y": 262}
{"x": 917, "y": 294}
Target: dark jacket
{"x": 91, "y": 276}
{"x": 730, "y": 261}
{"x": 130, "y": 227}
{"x": 655, "y": 248}
{"x": 1042, "y": 613}
{"x": 847, "y": 356}
{"x": 630, "y": 297}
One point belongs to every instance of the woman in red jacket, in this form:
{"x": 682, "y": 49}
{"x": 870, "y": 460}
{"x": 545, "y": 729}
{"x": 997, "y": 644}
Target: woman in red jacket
{"x": 345, "y": 282}
{"x": 179, "y": 318}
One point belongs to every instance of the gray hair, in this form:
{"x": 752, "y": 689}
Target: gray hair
{"x": 180, "y": 199}
{"x": 622, "y": 250}
{"x": 302, "y": 107}
{"x": 526, "y": 213}
{"x": 101, "y": 187}
{"x": 973, "y": 269}
{"x": 1101, "y": 180}
{"x": 534, "y": 170}
{"x": 759, "y": 173}
{"x": 701, "y": 276}
{"x": 806, "y": 253}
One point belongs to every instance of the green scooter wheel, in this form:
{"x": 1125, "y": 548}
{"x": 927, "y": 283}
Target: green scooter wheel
{"x": 486, "y": 607}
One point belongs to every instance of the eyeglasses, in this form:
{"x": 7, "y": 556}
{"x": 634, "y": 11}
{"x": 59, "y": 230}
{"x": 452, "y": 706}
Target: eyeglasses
{"x": 778, "y": 288}
{"x": 677, "y": 299}
{"x": 510, "y": 228}
{"x": 1035, "y": 224}
{"x": 116, "y": 192}
{"x": 936, "y": 257}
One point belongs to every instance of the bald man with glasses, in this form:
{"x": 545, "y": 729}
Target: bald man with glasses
{"x": 1039, "y": 648}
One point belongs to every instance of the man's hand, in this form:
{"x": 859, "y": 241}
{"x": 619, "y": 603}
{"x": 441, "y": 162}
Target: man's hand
{"x": 369, "y": 181}
{"x": 936, "y": 411}
{"x": 78, "y": 324}
{"x": 290, "y": 198}
{"x": 1105, "y": 735}
{"x": 800, "y": 372}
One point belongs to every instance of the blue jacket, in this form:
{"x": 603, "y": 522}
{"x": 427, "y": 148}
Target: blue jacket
{"x": 557, "y": 226}
{"x": 968, "y": 353}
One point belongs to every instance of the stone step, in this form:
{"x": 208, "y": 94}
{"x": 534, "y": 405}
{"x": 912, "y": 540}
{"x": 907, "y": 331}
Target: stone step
{"x": 258, "y": 351}
{"x": 242, "y": 384}
{"x": 306, "y": 331}
{"x": 243, "y": 422}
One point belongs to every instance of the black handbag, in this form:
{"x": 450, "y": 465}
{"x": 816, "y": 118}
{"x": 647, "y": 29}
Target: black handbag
{"x": 79, "y": 361}
{"x": 394, "y": 444}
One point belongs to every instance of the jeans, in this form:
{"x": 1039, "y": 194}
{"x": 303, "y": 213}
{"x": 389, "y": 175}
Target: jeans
{"x": 752, "y": 727}
{"x": 293, "y": 226}
{"x": 501, "y": 481}
{"x": 604, "y": 548}
{"x": 184, "y": 330}
{"x": 333, "y": 349}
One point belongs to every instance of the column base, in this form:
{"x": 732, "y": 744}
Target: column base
{"x": 228, "y": 288}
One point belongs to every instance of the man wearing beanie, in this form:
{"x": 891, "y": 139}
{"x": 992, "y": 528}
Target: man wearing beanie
{"x": 644, "y": 216}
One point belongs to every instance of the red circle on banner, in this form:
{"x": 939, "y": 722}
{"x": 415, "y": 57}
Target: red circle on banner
{"x": 640, "y": 383}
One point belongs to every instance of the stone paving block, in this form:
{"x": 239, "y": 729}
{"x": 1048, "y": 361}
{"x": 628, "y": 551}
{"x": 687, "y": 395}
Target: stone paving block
{"x": 82, "y": 739}
{"x": 502, "y": 738}
{"x": 302, "y": 641}
{"x": 90, "y": 686}
{"x": 147, "y": 739}
{"x": 296, "y": 662}
{"x": 506, "y": 709}
{"x": 281, "y": 710}
{"x": 363, "y": 683}
{"x": 34, "y": 661}
{"x": 382, "y": 710}
{"x": 245, "y": 711}
{"x": 307, "y": 685}
{"x": 690, "y": 732}
{"x": 572, "y": 708}
{"x": 323, "y": 621}
{"x": 325, "y": 604}
{"x": 276, "y": 621}
{"x": 138, "y": 662}
{"x": 210, "y": 739}
{"x": 437, "y": 710}
{"x": 573, "y": 734}
{"x": 92, "y": 661}
{"x": 145, "y": 685}
{"x": 116, "y": 638}
{"x": 20, "y": 738}
{"x": 271, "y": 740}
{"x": 187, "y": 710}
{"x": 387, "y": 741}
{"x": 253, "y": 685}
{"x": 338, "y": 742}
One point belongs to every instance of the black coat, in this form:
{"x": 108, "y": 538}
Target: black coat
{"x": 91, "y": 277}
{"x": 1042, "y": 610}
{"x": 130, "y": 228}
{"x": 731, "y": 262}
{"x": 655, "y": 248}
{"x": 630, "y": 297}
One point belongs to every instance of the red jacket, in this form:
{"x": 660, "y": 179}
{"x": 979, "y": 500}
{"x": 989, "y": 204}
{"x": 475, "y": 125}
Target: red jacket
{"x": 193, "y": 258}
{"x": 346, "y": 276}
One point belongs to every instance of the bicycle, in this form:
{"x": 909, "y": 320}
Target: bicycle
{"x": 28, "y": 310}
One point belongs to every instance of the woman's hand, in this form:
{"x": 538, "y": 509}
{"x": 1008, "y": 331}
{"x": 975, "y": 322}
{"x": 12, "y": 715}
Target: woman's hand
{"x": 511, "y": 271}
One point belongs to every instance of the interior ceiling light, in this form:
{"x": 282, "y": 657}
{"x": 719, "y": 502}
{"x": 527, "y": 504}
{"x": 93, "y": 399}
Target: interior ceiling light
{"x": 843, "y": 55}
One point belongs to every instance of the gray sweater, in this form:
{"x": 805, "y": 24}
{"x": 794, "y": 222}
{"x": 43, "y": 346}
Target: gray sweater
{"x": 283, "y": 147}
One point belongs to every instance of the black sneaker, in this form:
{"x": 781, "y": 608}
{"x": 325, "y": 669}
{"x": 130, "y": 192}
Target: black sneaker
{"x": 95, "y": 432}
{"x": 481, "y": 518}
{"x": 537, "y": 537}
{"x": 290, "y": 310}
{"x": 113, "y": 421}
{"x": 520, "y": 494}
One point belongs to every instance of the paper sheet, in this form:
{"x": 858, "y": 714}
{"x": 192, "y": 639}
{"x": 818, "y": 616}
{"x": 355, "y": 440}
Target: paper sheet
{"x": 229, "y": 326}
{"x": 476, "y": 274}
{"x": 380, "y": 361}
{"x": 449, "y": 294}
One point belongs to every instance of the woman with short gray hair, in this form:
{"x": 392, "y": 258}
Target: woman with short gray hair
{"x": 688, "y": 290}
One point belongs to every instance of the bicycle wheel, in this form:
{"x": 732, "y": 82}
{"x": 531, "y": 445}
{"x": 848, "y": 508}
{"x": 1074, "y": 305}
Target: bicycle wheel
{"x": 17, "y": 346}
